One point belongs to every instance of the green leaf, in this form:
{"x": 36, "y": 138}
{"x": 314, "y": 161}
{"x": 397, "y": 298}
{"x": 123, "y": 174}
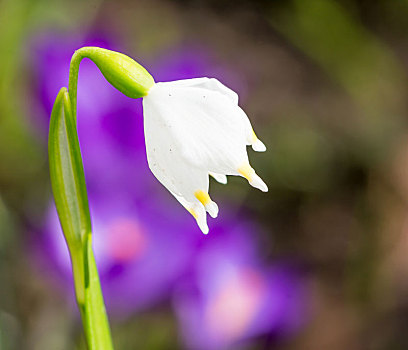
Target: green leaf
{"x": 67, "y": 173}
{"x": 68, "y": 185}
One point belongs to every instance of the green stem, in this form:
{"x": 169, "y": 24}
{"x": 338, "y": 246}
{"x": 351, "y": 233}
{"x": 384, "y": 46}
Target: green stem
{"x": 97, "y": 326}
{"x": 73, "y": 75}
{"x": 78, "y": 272}
{"x": 87, "y": 285}
{"x": 90, "y": 299}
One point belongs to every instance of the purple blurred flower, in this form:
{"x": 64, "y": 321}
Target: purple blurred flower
{"x": 232, "y": 297}
{"x": 139, "y": 256}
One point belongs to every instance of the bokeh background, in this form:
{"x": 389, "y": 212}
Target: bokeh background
{"x": 319, "y": 262}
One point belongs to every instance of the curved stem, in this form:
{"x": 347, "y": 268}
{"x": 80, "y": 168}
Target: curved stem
{"x": 73, "y": 75}
{"x": 87, "y": 284}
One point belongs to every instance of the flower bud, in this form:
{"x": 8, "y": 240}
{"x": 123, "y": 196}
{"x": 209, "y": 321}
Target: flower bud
{"x": 125, "y": 74}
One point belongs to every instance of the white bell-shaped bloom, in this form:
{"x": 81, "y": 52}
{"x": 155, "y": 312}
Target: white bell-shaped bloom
{"x": 194, "y": 128}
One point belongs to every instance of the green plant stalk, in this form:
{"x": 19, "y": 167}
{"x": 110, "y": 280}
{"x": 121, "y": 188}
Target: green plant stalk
{"x": 93, "y": 311}
{"x": 73, "y": 78}
{"x": 97, "y": 325}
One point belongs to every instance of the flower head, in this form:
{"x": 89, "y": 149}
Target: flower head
{"x": 194, "y": 128}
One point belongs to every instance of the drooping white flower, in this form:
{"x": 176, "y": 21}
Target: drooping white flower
{"x": 194, "y": 128}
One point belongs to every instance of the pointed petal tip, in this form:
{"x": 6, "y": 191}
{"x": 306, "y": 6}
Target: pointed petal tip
{"x": 252, "y": 177}
{"x": 265, "y": 188}
{"x": 224, "y": 181}
{"x": 221, "y": 178}
{"x": 210, "y": 206}
{"x": 258, "y": 183}
{"x": 258, "y": 146}
{"x": 203, "y": 227}
{"x": 212, "y": 209}
{"x": 201, "y": 218}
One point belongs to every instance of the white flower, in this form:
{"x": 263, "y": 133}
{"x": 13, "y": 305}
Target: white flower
{"x": 194, "y": 128}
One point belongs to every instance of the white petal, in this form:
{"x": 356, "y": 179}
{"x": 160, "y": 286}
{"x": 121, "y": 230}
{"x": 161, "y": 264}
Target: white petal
{"x": 182, "y": 179}
{"x": 194, "y": 128}
{"x": 204, "y": 198}
{"x": 212, "y": 209}
{"x": 194, "y": 98}
{"x": 221, "y": 178}
{"x": 165, "y": 158}
{"x": 209, "y": 128}
{"x": 211, "y": 84}
{"x": 254, "y": 180}
{"x": 196, "y": 210}
{"x": 201, "y": 218}
{"x": 185, "y": 82}
{"x": 258, "y": 146}
{"x": 258, "y": 183}
{"x": 251, "y": 138}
